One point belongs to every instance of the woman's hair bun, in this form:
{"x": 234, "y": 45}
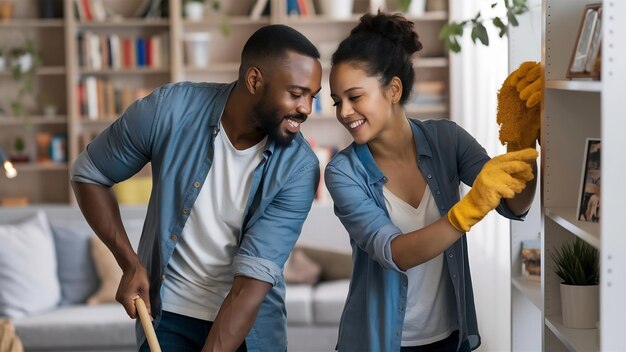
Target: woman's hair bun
{"x": 394, "y": 27}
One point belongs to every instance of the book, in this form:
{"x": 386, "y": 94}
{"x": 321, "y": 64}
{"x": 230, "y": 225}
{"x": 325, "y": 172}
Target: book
{"x": 258, "y": 9}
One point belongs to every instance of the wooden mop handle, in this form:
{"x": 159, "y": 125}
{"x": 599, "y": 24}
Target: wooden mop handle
{"x": 146, "y": 323}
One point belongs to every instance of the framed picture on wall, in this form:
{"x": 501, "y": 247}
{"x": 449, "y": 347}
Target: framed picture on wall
{"x": 585, "y": 60}
{"x": 589, "y": 195}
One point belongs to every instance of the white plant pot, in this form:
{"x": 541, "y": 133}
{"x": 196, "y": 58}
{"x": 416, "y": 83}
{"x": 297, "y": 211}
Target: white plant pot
{"x": 416, "y": 8}
{"x": 580, "y": 306}
{"x": 24, "y": 62}
{"x": 340, "y": 9}
{"x": 194, "y": 10}
{"x": 197, "y": 48}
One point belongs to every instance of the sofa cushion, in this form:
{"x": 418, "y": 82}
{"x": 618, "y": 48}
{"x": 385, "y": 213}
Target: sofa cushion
{"x": 28, "y": 267}
{"x": 300, "y": 269}
{"x": 76, "y": 270}
{"x": 329, "y": 298}
{"x": 79, "y": 326}
{"x": 299, "y": 303}
{"x": 108, "y": 271}
{"x": 335, "y": 265}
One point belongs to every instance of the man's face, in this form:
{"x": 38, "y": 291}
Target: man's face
{"x": 287, "y": 98}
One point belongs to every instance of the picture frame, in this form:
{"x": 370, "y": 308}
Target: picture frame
{"x": 586, "y": 57}
{"x": 590, "y": 191}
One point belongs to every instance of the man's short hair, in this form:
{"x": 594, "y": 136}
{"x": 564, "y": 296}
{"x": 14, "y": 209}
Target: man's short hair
{"x": 273, "y": 42}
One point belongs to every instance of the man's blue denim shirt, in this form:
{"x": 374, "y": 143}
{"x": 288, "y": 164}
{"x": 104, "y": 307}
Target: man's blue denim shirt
{"x": 373, "y": 316}
{"x": 174, "y": 128}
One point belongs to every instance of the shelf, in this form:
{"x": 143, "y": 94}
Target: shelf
{"x": 529, "y": 289}
{"x": 41, "y": 71}
{"x": 426, "y": 109}
{"x": 566, "y": 218}
{"x": 310, "y": 20}
{"x": 33, "y": 120}
{"x": 431, "y": 62}
{"x": 47, "y": 166}
{"x": 32, "y": 23}
{"x": 577, "y": 340}
{"x": 231, "y": 21}
{"x": 575, "y": 85}
{"x": 214, "y": 67}
{"x": 125, "y": 71}
{"x": 126, "y": 22}
{"x": 430, "y": 16}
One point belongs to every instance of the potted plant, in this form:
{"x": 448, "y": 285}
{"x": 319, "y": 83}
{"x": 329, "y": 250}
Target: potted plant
{"x": 19, "y": 151}
{"x": 577, "y": 265}
{"x": 194, "y": 10}
{"x": 24, "y": 63}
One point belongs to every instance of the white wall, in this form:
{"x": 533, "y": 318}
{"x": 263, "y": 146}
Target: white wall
{"x": 478, "y": 72}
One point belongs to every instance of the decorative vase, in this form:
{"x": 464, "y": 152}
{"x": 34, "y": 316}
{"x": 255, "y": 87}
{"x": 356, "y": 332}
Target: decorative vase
{"x": 340, "y": 9}
{"x": 416, "y": 8}
{"x": 6, "y": 10}
{"x": 194, "y": 10}
{"x": 580, "y": 306}
{"x": 197, "y": 48}
{"x": 23, "y": 61}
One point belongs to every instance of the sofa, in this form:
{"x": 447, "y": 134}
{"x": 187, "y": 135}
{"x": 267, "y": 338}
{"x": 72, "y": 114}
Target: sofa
{"x": 55, "y": 317}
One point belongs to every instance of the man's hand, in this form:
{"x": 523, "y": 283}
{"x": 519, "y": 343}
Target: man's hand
{"x": 501, "y": 177}
{"x": 519, "y": 103}
{"x": 134, "y": 283}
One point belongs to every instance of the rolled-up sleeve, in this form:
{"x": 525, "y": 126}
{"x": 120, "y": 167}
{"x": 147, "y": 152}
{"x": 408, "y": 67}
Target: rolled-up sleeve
{"x": 269, "y": 239}
{"x": 367, "y": 224}
{"x": 122, "y": 149}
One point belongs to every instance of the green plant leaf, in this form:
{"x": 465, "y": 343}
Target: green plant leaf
{"x": 511, "y": 17}
{"x": 480, "y": 32}
{"x": 497, "y": 22}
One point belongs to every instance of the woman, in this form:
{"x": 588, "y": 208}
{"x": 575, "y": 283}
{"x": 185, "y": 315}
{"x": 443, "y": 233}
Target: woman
{"x": 395, "y": 190}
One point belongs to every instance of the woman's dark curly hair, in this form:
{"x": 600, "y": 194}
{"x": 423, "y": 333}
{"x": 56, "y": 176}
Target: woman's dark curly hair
{"x": 383, "y": 44}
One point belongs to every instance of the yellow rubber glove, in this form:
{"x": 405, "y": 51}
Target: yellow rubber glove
{"x": 519, "y": 103}
{"x": 500, "y": 177}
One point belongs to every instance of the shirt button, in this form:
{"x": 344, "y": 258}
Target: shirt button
{"x": 185, "y": 211}
{"x": 438, "y": 192}
{"x": 174, "y": 237}
{"x": 454, "y": 276}
{"x": 430, "y": 176}
{"x": 397, "y": 333}
{"x": 196, "y": 184}
{"x": 451, "y": 255}
{"x": 402, "y": 309}
{"x": 441, "y": 207}
{"x": 162, "y": 277}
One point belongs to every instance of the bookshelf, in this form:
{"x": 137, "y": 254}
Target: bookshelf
{"x": 64, "y": 71}
{"x": 573, "y": 111}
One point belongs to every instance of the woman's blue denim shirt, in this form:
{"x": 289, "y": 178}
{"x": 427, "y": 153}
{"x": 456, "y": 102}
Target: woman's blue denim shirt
{"x": 373, "y": 316}
{"x": 174, "y": 128}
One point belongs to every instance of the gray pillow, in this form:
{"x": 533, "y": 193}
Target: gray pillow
{"x": 28, "y": 268}
{"x": 76, "y": 270}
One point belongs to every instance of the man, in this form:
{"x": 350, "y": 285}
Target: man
{"x": 233, "y": 181}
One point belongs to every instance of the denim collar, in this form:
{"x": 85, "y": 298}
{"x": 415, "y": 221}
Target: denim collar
{"x": 367, "y": 159}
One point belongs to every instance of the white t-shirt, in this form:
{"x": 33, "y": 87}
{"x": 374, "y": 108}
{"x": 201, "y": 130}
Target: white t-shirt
{"x": 430, "y": 305}
{"x": 199, "y": 275}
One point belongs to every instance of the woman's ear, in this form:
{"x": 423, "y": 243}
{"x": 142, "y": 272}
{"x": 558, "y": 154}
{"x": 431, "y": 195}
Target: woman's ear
{"x": 395, "y": 89}
{"x": 254, "y": 79}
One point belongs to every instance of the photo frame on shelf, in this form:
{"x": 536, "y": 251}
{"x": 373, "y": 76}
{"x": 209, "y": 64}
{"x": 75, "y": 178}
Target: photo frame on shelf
{"x": 590, "y": 190}
{"x": 585, "y": 60}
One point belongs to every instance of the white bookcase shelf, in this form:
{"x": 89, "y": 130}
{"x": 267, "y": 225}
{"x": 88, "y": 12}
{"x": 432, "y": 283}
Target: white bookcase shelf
{"x": 575, "y": 340}
{"x": 572, "y": 111}
{"x": 530, "y": 289}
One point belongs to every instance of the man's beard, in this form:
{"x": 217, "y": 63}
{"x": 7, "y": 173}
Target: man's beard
{"x": 269, "y": 121}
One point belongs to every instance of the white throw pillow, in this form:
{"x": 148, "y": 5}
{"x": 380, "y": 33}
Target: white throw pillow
{"x": 28, "y": 268}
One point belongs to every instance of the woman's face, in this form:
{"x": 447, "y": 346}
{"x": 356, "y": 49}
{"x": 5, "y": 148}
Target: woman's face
{"x": 362, "y": 105}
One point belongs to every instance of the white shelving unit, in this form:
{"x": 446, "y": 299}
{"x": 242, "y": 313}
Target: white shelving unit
{"x": 573, "y": 111}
